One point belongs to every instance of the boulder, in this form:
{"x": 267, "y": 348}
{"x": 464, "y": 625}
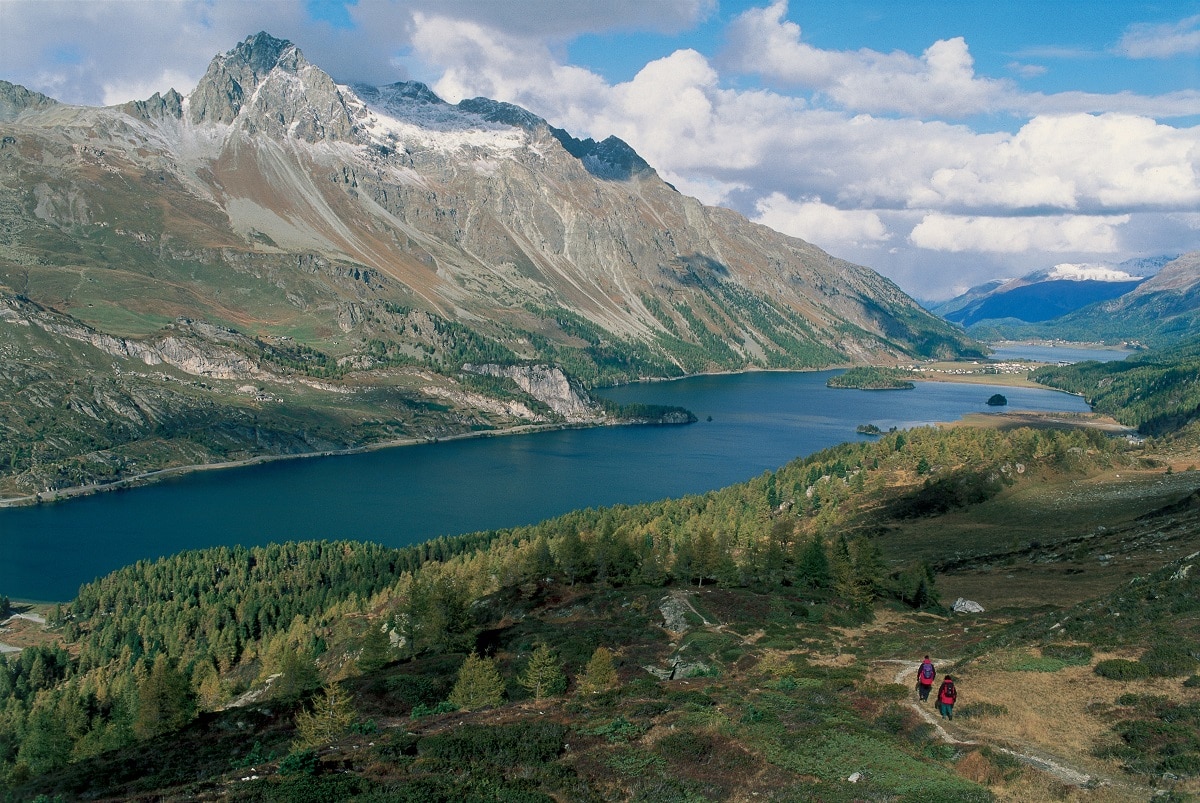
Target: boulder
{"x": 963, "y": 605}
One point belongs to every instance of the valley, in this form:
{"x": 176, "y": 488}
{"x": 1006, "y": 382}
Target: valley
{"x": 711, "y": 589}
{"x": 744, "y": 662}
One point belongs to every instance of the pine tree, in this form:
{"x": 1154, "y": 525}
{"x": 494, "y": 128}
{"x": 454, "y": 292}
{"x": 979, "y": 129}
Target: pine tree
{"x": 479, "y": 684}
{"x": 298, "y": 674}
{"x": 376, "y": 648}
{"x": 812, "y": 567}
{"x": 543, "y": 676}
{"x": 331, "y": 716}
{"x": 165, "y": 701}
{"x": 600, "y": 673}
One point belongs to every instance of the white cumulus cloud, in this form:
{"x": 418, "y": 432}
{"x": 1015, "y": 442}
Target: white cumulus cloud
{"x": 1059, "y": 234}
{"x": 820, "y": 223}
{"x": 941, "y": 81}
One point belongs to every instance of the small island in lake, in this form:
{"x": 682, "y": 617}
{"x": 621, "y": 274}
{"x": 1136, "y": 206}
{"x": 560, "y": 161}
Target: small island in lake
{"x": 868, "y": 429}
{"x": 868, "y": 377}
{"x": 997, "y": 400}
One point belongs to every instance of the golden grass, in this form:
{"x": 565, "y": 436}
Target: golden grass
{"x": 1060, "y": 714}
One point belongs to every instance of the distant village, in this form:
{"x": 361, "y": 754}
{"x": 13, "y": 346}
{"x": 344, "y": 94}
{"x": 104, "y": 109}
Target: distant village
{"x": 973, "y": 367}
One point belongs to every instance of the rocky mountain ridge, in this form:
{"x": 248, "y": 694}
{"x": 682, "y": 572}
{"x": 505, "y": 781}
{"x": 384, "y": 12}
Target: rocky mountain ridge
{"x": 354, "y": 237}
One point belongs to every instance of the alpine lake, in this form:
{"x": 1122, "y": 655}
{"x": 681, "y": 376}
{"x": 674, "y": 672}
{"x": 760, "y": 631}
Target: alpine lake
{"x": 748, "y": 423}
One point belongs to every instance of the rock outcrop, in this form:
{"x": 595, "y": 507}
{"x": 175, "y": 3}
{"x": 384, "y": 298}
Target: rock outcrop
{"x": 546, "y": 383}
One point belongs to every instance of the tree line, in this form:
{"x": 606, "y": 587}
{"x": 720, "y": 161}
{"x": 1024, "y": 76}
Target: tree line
{"x": 151, "y": 644}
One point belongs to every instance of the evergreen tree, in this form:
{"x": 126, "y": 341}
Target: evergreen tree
{"x": 812, "y": 567}
{"x": 46, "y": 746}
{"x": 539, "y": 562}
{"x": 600, "y": 674}
{"x": 165, "y": 701}
{"x": 331, "y": 716}
{"x": 298, "y": 674}
{"x": 543, "y": 676}
{"x": 868, "y": 567}
{"x": 376, "y": 648}
{"x": 572, "y": 555}
{"x": 479, "y": 684}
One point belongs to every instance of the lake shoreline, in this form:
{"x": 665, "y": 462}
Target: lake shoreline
{"x": 147, "y": 478}
{"x": 150, "y": 477}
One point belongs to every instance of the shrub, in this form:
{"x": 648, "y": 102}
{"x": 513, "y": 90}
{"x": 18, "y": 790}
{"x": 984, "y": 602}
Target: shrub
{"x": 298, "y": 789}
{"x": 1121, "y": 669}
{"x": 619, "y": 730}
{"x": 301, "y": 762}
{"x": 444, "y": 707}
{"x": 684, "y": 745}
{"x": 633, "y": 763}
{"x": 500, "y": 745}
{"x": 691, "y": 697}
{"x": 1076, "y": 654}
{"x": 1192, "y": 682}
{"x": 651, "y": 708}
{"x": 893, "y": 720}
{"x": 414, "y": 689}
{"x": 1168, "y": 660}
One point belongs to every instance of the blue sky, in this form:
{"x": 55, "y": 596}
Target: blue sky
{"x": 941, "y": 143}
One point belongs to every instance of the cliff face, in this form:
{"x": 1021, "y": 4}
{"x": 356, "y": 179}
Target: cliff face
{"x": 546, "y": 383}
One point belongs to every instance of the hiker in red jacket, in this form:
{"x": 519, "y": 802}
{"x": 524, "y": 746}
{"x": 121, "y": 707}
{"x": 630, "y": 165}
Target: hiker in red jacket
{"x": 925, "y": 675}
{"x": 947, "y": 694}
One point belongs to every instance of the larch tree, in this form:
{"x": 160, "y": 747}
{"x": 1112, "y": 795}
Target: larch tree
{"x": 165, "y": 701}
{"x": 543, "y": 676}
{"x": 600, "y": 674}
{"x": 479, "y": 684}
{"x": 332, "y": 715}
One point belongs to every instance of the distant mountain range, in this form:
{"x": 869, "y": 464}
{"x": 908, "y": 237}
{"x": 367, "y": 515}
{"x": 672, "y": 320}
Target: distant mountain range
{"x": 1152, "y": 300}
{"x": 373, "y": 262}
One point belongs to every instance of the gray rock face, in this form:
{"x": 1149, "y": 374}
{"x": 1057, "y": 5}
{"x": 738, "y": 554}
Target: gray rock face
{"x": 546, "y": 383}
{"x": 156, "y": 107}
{"x": 267, "y": 86}
{"x": 15, "y": 99}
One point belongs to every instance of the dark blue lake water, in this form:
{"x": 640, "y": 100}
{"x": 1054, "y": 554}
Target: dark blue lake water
{"x": 406, "y": 495}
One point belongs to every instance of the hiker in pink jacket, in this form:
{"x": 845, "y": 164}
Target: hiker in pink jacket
{"x": 925, "y": 675}
{"x": 947, "y": 695}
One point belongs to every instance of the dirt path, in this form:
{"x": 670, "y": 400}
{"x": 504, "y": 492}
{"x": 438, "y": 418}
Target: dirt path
{"x": 1068, "y": 775}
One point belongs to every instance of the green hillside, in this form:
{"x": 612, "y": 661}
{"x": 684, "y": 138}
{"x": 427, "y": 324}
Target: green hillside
{"x": 751, "y": 640}
{"x": 1158, "y": 391}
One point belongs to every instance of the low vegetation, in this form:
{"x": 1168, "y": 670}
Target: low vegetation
{"x": 723, "y": 646}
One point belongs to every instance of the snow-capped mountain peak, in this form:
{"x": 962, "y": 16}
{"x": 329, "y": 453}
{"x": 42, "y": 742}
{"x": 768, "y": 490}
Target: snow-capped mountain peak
{"x": 1089, "y": 272}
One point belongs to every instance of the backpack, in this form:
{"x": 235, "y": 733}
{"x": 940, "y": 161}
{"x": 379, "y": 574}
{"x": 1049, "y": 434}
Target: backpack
{"x": 950, "y": 692}
{"x": 927, "y": 672}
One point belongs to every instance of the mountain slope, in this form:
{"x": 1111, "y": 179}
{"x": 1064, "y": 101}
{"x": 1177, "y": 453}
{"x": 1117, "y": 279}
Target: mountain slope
{"x": 1158, "y": 306}
{"x": 369, "y": 236}
{"x": 1048, "y": 293}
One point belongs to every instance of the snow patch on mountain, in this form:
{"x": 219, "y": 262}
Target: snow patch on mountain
{"x": 398, "y": 117}
{"x": 1084, "y": 272}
